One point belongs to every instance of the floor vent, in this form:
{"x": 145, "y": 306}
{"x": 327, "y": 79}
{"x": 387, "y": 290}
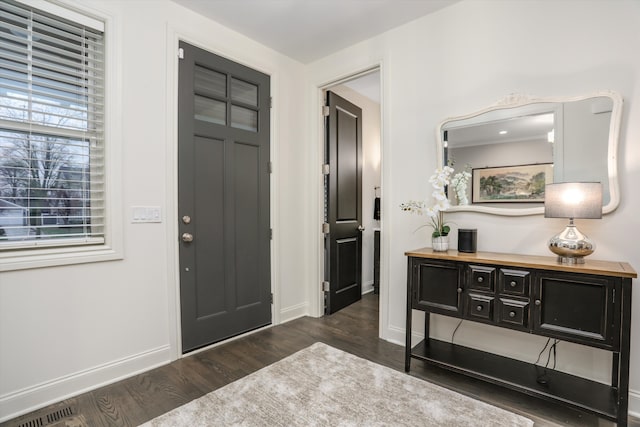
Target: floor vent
{"x": 51, "y": 418}
{"x": 36, "y": 422}
{"x": 59, "y": 414}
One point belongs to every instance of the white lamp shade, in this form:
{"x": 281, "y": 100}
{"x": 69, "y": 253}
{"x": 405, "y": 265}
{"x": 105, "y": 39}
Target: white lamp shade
{"x": 573, "y": 200}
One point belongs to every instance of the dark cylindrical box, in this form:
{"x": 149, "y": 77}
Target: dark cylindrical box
{"x": 467, "y": 240}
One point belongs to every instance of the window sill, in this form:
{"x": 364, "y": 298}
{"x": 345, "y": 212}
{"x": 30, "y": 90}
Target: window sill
{"x": 39, "y": 258}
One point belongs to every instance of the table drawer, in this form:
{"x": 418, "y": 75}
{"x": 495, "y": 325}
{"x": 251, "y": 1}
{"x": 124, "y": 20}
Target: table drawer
{"x": 480, "y": 307}
{"x": 513, "y": 313}
{"x": 481, "y": 277}
{"x": 514, "y": 282}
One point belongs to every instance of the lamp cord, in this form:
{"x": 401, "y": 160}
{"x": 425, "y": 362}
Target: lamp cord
{"x": 455, "y": 330}
{"x": 542, "y": 377}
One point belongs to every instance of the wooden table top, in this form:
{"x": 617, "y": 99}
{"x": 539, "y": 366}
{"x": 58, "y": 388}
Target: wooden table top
{"x": 591, "y": 266}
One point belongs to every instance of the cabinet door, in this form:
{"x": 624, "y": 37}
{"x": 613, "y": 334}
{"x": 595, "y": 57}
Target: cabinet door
{"x": 437, "y": 287}
{"x": 575, "y": 307}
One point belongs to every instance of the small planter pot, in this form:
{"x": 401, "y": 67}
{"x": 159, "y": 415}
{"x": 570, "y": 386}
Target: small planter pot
{"x": 440, "y": 243}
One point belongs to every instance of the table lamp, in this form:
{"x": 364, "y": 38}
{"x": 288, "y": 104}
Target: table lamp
{"x": 572, "y": 200}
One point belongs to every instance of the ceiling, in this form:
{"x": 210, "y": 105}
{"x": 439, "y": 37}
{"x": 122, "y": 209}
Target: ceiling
{"x": 519, "y": 129}
{"x": 367, "y": 85}
{"x": 307, "y": 30}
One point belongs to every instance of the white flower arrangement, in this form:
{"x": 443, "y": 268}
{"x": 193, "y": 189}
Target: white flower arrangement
{"x": 439, "y": 203}
{"x": 459, "y": 183}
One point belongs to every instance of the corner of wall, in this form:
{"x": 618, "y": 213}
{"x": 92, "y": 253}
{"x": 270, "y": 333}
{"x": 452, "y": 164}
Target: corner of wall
{"x": 294, "y": 312}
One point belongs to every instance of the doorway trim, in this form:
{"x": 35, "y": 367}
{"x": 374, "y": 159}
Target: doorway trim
{"x": 171, "y": 216}
{"x": 316, "y": 295}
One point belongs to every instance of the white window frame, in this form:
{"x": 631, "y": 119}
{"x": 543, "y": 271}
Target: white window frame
{"x": 112, "y": 248}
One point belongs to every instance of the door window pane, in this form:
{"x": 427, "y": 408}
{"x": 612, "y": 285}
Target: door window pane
{"x": 244, "y": 92}
{"x": 209, "y": 82}
{"x": 243, "y": 118}
{"x": 210, "y": 110}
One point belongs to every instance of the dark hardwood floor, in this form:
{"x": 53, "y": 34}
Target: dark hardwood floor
{"x": 355, "y": 329}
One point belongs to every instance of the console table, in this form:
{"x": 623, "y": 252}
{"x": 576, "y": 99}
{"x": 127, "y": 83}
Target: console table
{"x": 588, "y": 304}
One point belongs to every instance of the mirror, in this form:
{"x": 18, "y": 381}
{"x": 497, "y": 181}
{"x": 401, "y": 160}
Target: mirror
{"x": 516, "y": 146}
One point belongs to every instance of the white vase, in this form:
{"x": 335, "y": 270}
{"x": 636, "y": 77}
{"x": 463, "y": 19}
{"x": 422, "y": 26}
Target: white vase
{"x": 440, "y": 243}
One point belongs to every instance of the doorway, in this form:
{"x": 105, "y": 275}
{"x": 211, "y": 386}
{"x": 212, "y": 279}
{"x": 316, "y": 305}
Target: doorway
{"x": 363, "y": 90}
{"x": 223, "y": 198}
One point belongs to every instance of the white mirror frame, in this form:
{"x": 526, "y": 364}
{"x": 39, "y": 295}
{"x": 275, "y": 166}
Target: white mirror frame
{"x": 518, "y": 100}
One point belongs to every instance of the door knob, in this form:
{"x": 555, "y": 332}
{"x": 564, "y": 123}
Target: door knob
{"x": 360, "y": 228}
{"x": 187, "y": 237}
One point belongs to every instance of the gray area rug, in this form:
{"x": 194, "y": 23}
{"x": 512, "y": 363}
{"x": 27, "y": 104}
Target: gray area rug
{"x": 323, "y": 386}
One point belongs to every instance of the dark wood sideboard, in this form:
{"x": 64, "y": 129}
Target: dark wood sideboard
{"x": 588, "y": 304}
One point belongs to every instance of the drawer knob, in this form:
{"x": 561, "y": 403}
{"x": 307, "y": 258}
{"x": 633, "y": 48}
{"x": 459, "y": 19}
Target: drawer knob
{"x": 480, "y": 279}
{"x": 512, "y": 314}
{"x": 538, "y": 302}
{"x": 479, "y": 308}
{"x": 513, "y": 283}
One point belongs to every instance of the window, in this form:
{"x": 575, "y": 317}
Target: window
{"x": 52, "y": 109}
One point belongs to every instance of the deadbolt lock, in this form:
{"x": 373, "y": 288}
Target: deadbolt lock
{"x": 186, "y": 219}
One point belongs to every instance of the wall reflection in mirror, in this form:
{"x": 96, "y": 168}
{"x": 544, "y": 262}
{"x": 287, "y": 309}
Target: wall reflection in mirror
{"x": 516, "y": 146}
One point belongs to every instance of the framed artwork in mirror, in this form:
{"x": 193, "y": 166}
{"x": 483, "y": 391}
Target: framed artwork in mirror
{"x": 511, "y": 184}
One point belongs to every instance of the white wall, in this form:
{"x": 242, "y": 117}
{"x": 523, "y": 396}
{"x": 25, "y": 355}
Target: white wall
{"x": 67, "y": 329}
{"x": 371, "y": 177}
{"x": 581, "y": 142}
{"x": 462, "y": 59}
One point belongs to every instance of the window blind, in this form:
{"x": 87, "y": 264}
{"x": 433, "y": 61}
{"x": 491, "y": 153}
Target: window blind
{"x": 51, "y": 130}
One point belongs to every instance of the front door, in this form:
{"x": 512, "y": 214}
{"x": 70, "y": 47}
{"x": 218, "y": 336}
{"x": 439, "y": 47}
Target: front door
{"x": 223, "y": 198}
{"x": 343, "y": 209}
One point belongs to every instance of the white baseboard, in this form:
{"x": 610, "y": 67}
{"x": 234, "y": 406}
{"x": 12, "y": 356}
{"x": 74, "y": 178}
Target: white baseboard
{"x": 35, "y": 397}
{"x": 634, "y": 403}
{"x": 395, "y": 335}
{"x": 295, "y": 311}
{"x": 367, "y": 287}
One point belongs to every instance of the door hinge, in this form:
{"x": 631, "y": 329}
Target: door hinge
{"x": 270, "y": 167}
{"x": 180, "y": 53}
{"x": 325, "y": 110}
{"x": 271, "y": 298}
{"x": 325, "y": 169}
{"x": 325, "y": 286}
{"x": 271, "y": 102}
{"x": 325, "y": 228}
{"x": 271, "y": 234}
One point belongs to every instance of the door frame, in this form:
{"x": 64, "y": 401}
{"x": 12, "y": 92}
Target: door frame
{"x": 316, "y": 299}
{"x": 171, "y": 216}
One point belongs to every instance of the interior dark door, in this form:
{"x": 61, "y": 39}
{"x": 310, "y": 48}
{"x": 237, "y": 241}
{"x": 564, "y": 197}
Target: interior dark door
{"x": 223, "y": 198}
{"x": 343, "y": 210}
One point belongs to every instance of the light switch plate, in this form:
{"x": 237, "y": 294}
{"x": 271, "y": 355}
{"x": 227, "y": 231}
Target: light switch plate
{"x": 141, "y": 214}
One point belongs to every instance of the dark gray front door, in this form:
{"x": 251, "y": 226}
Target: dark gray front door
{"x": 343, "y": 211}
{"x": 223, "y": 198}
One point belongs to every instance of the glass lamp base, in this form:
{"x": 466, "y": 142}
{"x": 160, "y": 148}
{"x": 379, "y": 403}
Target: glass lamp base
{"x": 571, "y": 246}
